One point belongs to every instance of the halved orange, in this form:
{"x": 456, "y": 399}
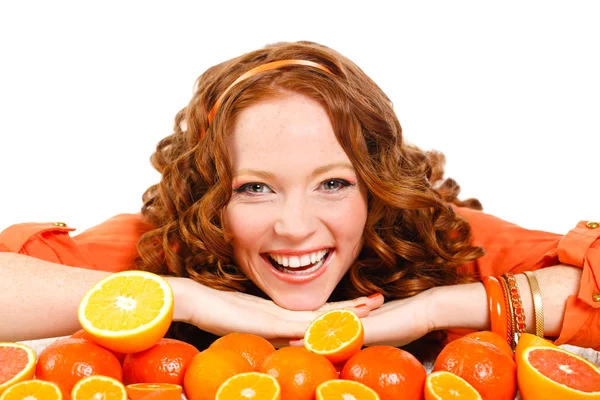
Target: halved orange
{"x": 553, "y": 373}
{"x": 249, "y": 385}
{"x": 342, "y": 389}
{"x": 128, "y": 311}
{"x": 336, "y": 334}
{"x": 154, "y": 391}
{"x": 444, "y": 385}
{"x": 17, "y": 364}
{"x": 32, "y": 390}
{"x": 529, "y": 340}
{"x": 98, "y": 387}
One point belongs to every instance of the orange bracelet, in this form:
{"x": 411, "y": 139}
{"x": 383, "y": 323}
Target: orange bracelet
{"x": 515, "y": 297}
{"x": 497, "y": 306}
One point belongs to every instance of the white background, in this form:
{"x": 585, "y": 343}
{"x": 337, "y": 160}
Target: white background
{"x": 509, "y": 91}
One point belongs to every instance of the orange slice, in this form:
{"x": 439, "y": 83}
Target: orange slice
{"x": 337, "y": 335}
{"x": 32, "y": 390}
{"x": 17, "y": 364}
{"x": 128, "y": 311}
{"x": 443, "y": 385}
{"x": 554, "y": 373}
{"x": 342, "y": 389}
{"x": 529, "y": 340}
{"x": 249, "y": 385}
{"x": 154, "y": 391}
{"x": 98, "y": 387}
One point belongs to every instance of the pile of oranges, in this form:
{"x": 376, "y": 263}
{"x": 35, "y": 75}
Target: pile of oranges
{"x": 126, "y": 356}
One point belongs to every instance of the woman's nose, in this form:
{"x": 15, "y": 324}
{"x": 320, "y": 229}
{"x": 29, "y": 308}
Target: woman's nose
{"x": 296, "y": 219}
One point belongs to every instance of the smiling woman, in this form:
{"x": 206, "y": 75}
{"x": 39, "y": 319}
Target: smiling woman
{"x": 287, "y": 189}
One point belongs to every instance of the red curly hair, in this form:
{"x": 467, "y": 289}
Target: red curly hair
{"x": 413, "y": 238}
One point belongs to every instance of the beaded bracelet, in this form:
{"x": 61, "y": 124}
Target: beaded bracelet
{"x": 515, "y": 297}
{"x": 498, "y": 307}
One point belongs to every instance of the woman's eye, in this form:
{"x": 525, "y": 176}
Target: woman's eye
{"x": 335, "y": 184}
{"x": 253, "y": 188}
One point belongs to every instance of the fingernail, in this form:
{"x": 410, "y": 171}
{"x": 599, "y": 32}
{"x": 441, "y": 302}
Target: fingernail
{"x": 374, "y": 295}
{"x": 361, "y": 305}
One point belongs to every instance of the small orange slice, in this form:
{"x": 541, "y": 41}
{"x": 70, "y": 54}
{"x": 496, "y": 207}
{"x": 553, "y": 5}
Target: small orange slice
{"x": 336, "y": 334}
{"x": 443, "y": 385}
{"x": 555, "y": 373}
{"x": 98, "y": 387}
{"x": 249, "y": 385}
{"x": 154, "y": 391}
{"x": 32, "y": 390}
{"x": 17, "y": 364}
{"x": 128, "y": 311}
{"x": 342, "y": 389}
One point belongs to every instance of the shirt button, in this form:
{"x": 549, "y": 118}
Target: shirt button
{"x": 61, "y": 224}
{"x": 596, "y": 296}
{"x": 592, "y": 225}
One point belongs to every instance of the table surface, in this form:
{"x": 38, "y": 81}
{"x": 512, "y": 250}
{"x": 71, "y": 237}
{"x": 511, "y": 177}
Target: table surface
{"x": 589, "y": 354}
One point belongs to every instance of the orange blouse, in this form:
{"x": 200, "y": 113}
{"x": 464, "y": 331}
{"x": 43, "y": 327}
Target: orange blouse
{"x": 111, "y": 246}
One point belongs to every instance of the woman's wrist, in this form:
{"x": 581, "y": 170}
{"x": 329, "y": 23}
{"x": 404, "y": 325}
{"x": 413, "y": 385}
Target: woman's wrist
{"x": 181, "y": 288}
{"x": 459, "y": 306}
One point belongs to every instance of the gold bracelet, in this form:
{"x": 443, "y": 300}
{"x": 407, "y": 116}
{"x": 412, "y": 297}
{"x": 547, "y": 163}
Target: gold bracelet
{"x": 538, "y": 308}
{"x": 510, "y": 313}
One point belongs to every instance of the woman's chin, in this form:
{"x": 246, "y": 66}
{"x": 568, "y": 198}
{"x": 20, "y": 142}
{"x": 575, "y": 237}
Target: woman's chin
{"x": 299, "y": 303}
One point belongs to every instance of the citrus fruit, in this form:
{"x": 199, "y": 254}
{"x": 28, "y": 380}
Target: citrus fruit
{"x": 165, "y": 362}
{"x": 153, "y": 391}
{"x": 298, "y": 371}
{"x": 492, "y": 338}
{"x": 341, "y": 389}
{"x": 98, "y": 387}
{"x": 484, "y": 365}
{"x": 84, "y": 335}
{"x": 553, "y": 373}
{"x": 529, "y": 340}
{"x": 444, "y": 385}
{"x": 337, "y": 335}
{"x": 17, "y": 363}
{"x": 250, "y": 385}
{"x": 255, "y": 349}
{"x": 127, "y": 311}
{"x": 393, "y": 373}
{"x": 68, "y": 360}
{"x": 209, "y": 369}
{"x": 32, "y": 390}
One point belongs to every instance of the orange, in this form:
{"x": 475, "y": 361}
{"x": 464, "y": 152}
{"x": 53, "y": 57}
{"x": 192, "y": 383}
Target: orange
{"x": 486, "y": 367}
{"x": 493, "y": 338}
{"x": 250, "y": 385}
{"x": 209, "y": 369}
{"x": 127, "y": 311}
{"x": 298, "y": 371}
{"x": 68, "y": 360}
{"x": 553, "y": 373}
{"x": 84, "y": 335}
{"x": 393, "y": 373}
{"x": 17, "y": 363}
{"x": 98, "y": 387}
{"x": 153, "y": 391}
{"x": 32, "y": 390}
{"x": 528, "y": 340}
{"x": 337, "y": 335}
{"x": 443, "y": 385}
{"x": 165, "y": 362}
{"x": 341, "y": 389}
{"x": 255, "y": 349}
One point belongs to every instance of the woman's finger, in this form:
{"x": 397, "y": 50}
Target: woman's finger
{"x": 371, "y": 302}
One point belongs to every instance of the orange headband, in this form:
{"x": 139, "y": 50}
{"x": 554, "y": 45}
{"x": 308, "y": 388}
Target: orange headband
{"x": 256, "y": 70}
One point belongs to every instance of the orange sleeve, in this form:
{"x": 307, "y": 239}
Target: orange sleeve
{"x": 110, "y": 246}
{"x": 509, "y": 247}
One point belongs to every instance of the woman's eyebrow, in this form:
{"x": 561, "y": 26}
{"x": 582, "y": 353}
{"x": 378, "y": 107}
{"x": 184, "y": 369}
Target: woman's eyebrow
{"x": 318, "y": 171}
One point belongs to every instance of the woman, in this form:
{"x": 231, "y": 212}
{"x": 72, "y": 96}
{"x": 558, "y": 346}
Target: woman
{"x": 287, "y": 190}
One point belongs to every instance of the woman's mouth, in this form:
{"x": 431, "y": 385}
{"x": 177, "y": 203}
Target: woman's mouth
{"x": 299, "y": 269}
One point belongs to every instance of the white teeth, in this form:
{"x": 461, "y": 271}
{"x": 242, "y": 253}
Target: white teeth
{"x": 303, "y": 272}
{"x": 298, "y": 261}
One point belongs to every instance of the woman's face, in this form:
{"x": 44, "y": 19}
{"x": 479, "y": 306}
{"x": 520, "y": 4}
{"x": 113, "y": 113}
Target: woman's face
{"x": 297, "y": 210}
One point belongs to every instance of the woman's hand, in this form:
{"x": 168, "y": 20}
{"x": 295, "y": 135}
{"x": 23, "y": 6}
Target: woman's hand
{"x": 221, "y": 312}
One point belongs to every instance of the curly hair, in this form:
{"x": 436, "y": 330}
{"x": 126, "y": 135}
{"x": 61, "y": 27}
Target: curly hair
{"x": 413, "y": 240}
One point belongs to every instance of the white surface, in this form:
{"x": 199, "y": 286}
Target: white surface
{"x": 508, "y": 91}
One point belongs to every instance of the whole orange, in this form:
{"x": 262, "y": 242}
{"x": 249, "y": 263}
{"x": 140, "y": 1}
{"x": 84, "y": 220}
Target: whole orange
{"x": 487, "y": 368}
{"x": 298, "y": 372}
{"x": 255, "y": 349}
{"x": 165, "y": 362}
{"x": 68, "y": 360}
{"x": 84, "y": 335}
{"x": 393, "y": 373}
{"x": 209, "y": 369}
{"x": 493, "y": 338}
